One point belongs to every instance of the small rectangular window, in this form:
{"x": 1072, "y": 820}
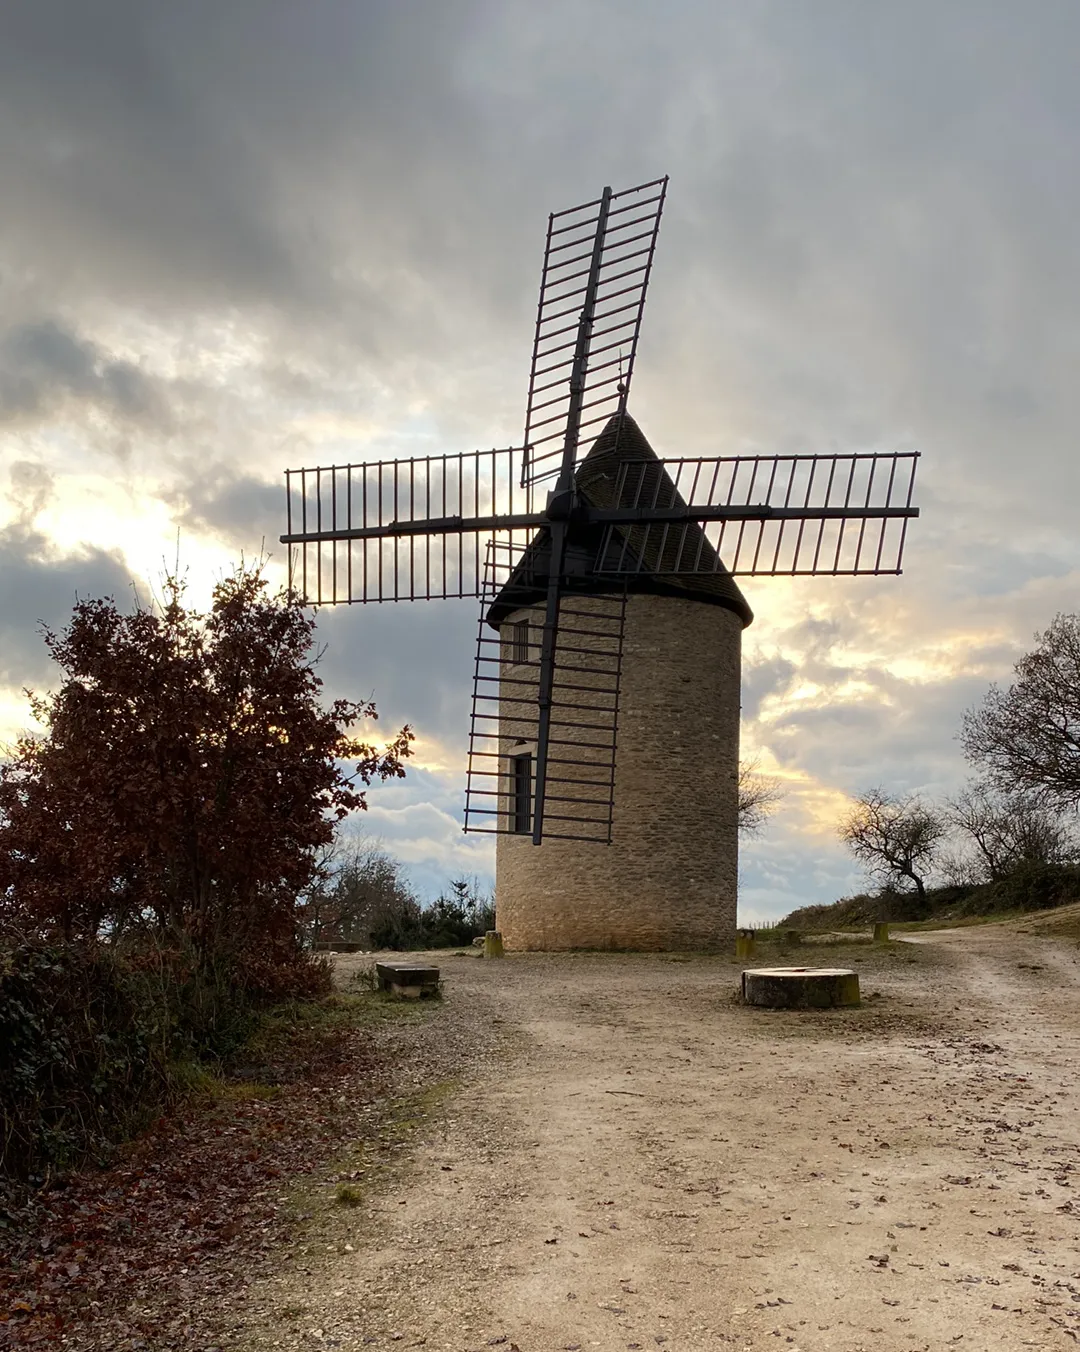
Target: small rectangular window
{"x": 521, "y": 794}
{"x": 519, "y": 642}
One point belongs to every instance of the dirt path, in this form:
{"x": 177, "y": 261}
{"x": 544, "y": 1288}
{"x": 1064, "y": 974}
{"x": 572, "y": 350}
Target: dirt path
{"x": 654, "y": 1166}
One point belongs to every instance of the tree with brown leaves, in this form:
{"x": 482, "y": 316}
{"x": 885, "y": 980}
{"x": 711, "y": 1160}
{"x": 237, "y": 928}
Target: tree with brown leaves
{"x": 187, "y": 775}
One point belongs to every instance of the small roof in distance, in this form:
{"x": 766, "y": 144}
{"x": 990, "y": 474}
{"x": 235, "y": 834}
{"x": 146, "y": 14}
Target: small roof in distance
{"x": 622, "y": 442}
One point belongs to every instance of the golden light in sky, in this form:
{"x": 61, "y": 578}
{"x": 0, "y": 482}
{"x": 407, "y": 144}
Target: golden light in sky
{"x": 259, "y": 271}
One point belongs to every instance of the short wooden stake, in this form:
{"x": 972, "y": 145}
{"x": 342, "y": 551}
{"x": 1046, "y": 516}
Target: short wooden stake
{"x": 493, "y": 944}
{"x": 881, "y": 931}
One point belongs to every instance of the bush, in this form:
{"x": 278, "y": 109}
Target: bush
{"x": 364, "y": 898}
{"x": 457, "y": 919}
{"x": 94, "y": 1040}
{"x": 155, "y": 842}
{"x": 80, "y": 1055}
{"x": 1028, "y": 887}
{"x": 858, "y": 911}
{"x": 449, "y": 921}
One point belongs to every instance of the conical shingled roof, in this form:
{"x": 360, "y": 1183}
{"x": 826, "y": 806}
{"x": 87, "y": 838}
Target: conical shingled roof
{"x": 597, "y": 479}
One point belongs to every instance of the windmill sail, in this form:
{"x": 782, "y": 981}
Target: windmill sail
{"x": 798, "y": 515}
{"x": 402, "y": 530}
{"x": 572, "y": 798}
{"x": 554, "y": 569}
{"x": 597, "y": 262}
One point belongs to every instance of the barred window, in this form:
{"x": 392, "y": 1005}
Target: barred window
{"x": 521, "y": 794}
{"x": 519, "y": 641}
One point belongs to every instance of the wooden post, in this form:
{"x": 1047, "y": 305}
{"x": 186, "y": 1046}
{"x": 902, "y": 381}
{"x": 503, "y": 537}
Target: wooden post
{"x": 792, "y": 936}
{"x": 493, "y": 944}
{"x": 744, "y": 943}
{"x": 881, "y": 931}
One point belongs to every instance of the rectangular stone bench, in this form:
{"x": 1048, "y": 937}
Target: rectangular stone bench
{"x": 409, "y": 980}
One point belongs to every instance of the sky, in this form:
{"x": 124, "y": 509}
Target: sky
{"x": 239, "y": 235}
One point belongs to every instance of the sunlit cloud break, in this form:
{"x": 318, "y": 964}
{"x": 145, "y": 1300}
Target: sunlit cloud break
{"x": 232, "y": 245}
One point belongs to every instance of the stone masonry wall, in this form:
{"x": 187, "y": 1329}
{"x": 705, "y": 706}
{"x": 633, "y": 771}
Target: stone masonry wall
{"x": 668, "y": 880}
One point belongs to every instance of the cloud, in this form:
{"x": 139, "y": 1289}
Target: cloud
{"x": 44, "y": 367}
{"x": 762, "y": 677}
{"x": 419, "y": 821}
{"x": 39, "y": 587}
{"x": 245, "y": 510}
{"x": 415, "y": 658}
{"x": 245, "y": 236}
{"x": 787, "y": 870}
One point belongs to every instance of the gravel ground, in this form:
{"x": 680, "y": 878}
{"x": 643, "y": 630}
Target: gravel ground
{"x": 606, "y": 1151}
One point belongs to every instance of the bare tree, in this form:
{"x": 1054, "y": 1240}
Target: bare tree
{"x": 958, "y": 868}
{"x": 896, "y": 839}
{"x": 759, "y": 797}
{"x": 372, "y": 891}
{"x": 1005, "y": 831}
{"x": 317, "y": 913}
{"x": 1026, "y": 739}
{"x": 361, "y": 890}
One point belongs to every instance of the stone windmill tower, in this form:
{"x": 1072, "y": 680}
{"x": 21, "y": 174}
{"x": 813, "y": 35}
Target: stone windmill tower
{"x": 605, "y": 721}
{"x": 668, "y": 802}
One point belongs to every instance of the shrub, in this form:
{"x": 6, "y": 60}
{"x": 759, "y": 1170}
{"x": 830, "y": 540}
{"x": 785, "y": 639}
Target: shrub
{"x": 448, "y": 922}
{"x": 81, "y": 1055}
{"x": 95, "y": 1040}
{"x": 1031, "y": 887}
{"x": 154, "y": 843}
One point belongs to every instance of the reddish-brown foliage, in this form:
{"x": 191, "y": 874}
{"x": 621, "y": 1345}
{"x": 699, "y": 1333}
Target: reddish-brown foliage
{"x": 187, "y": 776}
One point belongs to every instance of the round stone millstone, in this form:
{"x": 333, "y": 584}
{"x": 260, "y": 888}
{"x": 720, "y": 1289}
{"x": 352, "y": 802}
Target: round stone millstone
{"x": 801, "y": 987}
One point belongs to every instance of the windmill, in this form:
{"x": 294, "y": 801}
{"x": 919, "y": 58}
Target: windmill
{"x": 610, "y": 616}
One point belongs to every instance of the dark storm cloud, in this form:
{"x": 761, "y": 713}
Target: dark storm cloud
{"x": 211, "y": 149}
{"x": 869, "y": 231}
{"x": 104, "y": 108}
{"x": 43, "y": 365}
{"x": 38, "y": 588}
{"x": 247, "y": 511}
{"x": 415, "y": 658}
